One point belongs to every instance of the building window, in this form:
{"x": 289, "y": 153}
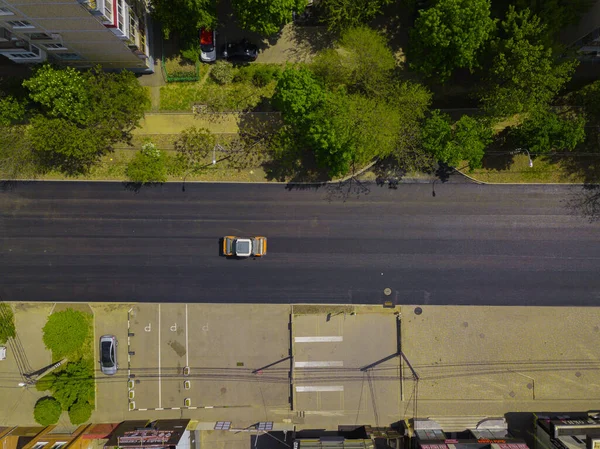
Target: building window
{"x": 121, "y": 16}
{"x": 69, "y": 56}
{"x": 58, "y": 445}
{"x": 39, "y": 445}
{"x": 38, "y": 36}
{"x": 22, "y": 56}
{"x": 55, "y": 47}
{"x": 6, "y": 12}
{"x": 20, "y": 24}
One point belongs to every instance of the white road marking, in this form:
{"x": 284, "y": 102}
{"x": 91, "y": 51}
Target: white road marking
{"x": 317, "y": 339}
{"x": 310, "y": 389}
{"x": 318, "y": 364}
{"x": 159, "y": 378}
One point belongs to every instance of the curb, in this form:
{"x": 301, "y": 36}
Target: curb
{"x": 477, "y": 181}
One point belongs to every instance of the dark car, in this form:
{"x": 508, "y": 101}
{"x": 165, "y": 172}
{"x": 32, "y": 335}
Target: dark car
{"x": 108, "y": 354}
{"x": 240, "y": 51}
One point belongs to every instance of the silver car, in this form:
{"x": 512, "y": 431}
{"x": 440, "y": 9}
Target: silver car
{"x": 108, "y": 354}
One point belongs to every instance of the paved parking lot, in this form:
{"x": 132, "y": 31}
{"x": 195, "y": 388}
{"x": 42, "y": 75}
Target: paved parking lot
{"x": 201, "y": 356}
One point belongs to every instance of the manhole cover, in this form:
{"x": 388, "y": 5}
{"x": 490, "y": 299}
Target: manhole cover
{"x": 418, "y": 311}
{"x": 387, "y": 291}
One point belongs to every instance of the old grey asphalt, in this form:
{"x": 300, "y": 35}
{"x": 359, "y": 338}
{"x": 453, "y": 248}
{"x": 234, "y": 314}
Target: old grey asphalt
{"x": 468, "y": 244}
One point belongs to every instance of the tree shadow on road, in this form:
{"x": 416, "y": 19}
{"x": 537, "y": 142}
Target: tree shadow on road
{"x": 586, "y": 202}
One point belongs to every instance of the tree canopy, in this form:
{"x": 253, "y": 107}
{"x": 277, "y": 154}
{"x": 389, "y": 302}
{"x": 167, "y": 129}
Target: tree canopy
{"x": 266, "y": 17}
{"x": 297, "y": 94}
{"x": 185, "y": 17}
{"x": 464, "y": 141}
{"x": 545, "y": 130}
{"x": 47, "y": 411}
{"x": 342, "y": 14}
{"x": 81, "y": 115}
{"x": 361, "y": 61}
{"x": 65, "y": 332}
{"x": 149, "y": 165}
{"x": 524, "y": 74}
{"x": 450, "y": 35}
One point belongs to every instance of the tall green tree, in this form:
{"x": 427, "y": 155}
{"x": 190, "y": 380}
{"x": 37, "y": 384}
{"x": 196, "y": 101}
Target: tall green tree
{"x": 524, "y": 74}
{"x": 297, "y": 94}
{"x": 361, "y": 61}
{"x": 464, "y": 141}
{"x": 16, "y": 156}
{"x": 342, "y": 14}
{"x": 185, "y": 17}
{"x": 11, "y": 111}
{"x": 450, "y": 35}
{"x": 545, "y": 130}
{"x": 266, "y": 17}
{"x": 81, "y": 115}
{"x": 61, "y": 93}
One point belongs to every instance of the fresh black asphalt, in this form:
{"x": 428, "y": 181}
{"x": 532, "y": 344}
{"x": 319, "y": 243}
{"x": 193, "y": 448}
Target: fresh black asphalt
{"x": 467, "y": 244}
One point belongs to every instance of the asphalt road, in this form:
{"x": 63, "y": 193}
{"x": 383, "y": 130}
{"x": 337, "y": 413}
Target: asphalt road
{"x": 468, "y": 244}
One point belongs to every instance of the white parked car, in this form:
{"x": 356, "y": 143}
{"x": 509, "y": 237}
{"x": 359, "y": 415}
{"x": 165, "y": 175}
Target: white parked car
{"x": 208, "y": 45}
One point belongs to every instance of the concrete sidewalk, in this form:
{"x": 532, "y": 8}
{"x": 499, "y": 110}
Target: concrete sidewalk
{"x": 471, "y": 361}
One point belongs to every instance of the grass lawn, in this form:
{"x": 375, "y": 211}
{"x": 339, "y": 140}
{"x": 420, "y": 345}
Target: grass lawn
{"x": 545, "y": 170}
{"x": 236, "y": 96}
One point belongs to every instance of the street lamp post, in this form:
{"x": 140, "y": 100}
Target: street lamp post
{"x": 528, "y": 155}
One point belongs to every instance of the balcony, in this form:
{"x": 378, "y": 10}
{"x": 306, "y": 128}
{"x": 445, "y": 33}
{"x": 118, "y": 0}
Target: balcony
{"x": 102, "y": 9}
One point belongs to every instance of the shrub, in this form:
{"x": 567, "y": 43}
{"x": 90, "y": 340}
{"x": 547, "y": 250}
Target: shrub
{"x": 264, "y": 74}
{"x": 80, "y": 412}
{"x": 74, "y": 384}
{"x": 47, "y": 411}
{"x": 7, "y": 323}
{"x": 147, "y": 166}
{"x": 222, "y": 72}
{"x": 243, "y": 74}
{"x": 65, "y": 332}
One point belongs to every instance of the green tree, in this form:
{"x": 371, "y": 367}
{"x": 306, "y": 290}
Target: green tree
{"x": 342, "y": 14}
{"x": 62, "y": 93}
{"x": 348, "y": 131}
{"x": 185, "y": 17}
{"x": 466, "y": 140}
{"x": 118, "y": 103}
{"x": 11, "y": 111}
{"x": 65, "y": 332}
{"x": 412, "y": 101}
{"x": 450, "y": 35}
{"x": 80, "y": 412}
{"x": 556, "y": 14}
{"x": 193, "y": 147}
{"x": 297, "y": 94}
{"x": 524, "y": 74}
{"x": 362, "y": 61}
{"x": 266, "y": 17}
{"x": 16, "y": 155}
{"x": 149, "y": 165}
{"x": 74, "y": 384}
{"x": 60, "y": 144}
{"x": 82, "y": 115}
{"x": 47, "y": 411}
{"x": 7, "y": 323}
{"x": 545, "y": 130}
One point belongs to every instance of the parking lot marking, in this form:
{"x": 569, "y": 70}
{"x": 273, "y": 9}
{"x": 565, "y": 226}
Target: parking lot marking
{"x": 159, "y": 378}
{"x": 310, "y": 389}
{"x": 317, "y": 339}
{"x": 187, "y": 351}
{"x": 318, "y": 364}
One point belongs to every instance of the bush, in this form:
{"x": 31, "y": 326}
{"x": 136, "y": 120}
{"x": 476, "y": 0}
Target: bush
{"x": 80, "y": 412}
{"x": 7, "y": 323}
{"x": 65, "y": 332}
{"x": 264, "y": 74}
{"x": 243, "y": 74}
{"x": 74, "y": 384}
{"x": 147, "y": 166}
{"x": 47, "y": 411}
{"x": 222, "y": 72}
